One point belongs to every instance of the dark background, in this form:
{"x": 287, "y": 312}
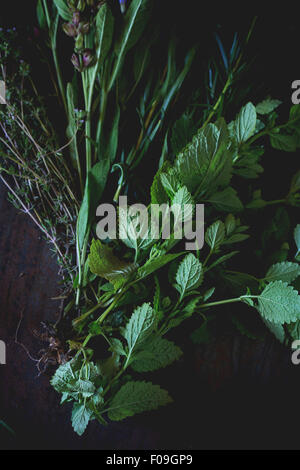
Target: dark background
{"x": 231, "y": 394}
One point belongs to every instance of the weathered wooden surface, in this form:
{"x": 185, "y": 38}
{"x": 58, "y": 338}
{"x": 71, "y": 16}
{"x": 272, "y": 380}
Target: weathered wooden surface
{"x": 234, "y": 394}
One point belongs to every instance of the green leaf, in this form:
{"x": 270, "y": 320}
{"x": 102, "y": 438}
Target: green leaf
{"x": 287, "y": 143}
{"x": 104, "y": 33}
{"x": 286, "y": 272}
{"x": 105, "y": 264}
{"x": 64, "y": 378}
{"x": 5, "y": 426}
{"x": 222, "y": 259}
{"x": 154, "y": 264}
{"x": 203, "y": 160}
{"x": 108, "y": 145}
{"x": 202, "y": 335}
{"x": 41, "y": 15}
{"x": 135, "y": 20}
{"x": 157, "y": 191}
{"x": 80, "y": 418}
{"x": 182, "y": 133}
{"x": 267, "y": 106}
{"x": 297, "y": 238}
{"x": 189, "y": 274}
{"x": 117, "y": 346}
{"x": 95, "y": 184}
{"x": 277, "y": 330}
{"x": 245, "y": 123}
{"x": 226, "y": 200}
{"x": 236, "y": 238}
{"x": 85, "y": 387}
{"x": 279, "y": 303}
{"x": 137, "y": 397}
{"x": 171, "y": 182}
{"x": 63, "y": 9}
{"x": 294, "y": 330}
{"x": 183, "y": 207}
{"x": 132, "y": 27}
{"x": 215, "y": 235}
{"x": 139, "y": 326}
{"x": 135, "y": 230}
{"x": 230, "y": 224}
{"x": 208, "y": 294}
{"x": 156, "y": 354}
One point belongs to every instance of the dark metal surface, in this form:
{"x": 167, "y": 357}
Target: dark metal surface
{"x": 235, "y": 394}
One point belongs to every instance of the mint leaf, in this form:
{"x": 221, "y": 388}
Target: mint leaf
{"x": 203, "y": 160}
{"x": 202, "y": 335}
{"x": 80, "y": 418}
{"x": 297, "y": 239}
{"x": 105, "y": 264}
{"x": 222, "y": 259}
{"x": 279, "y": 303}
{"x": 117, "y": 346}
{"x": 226, "y": 200}
{"x": 286, "y": 272}
{"x": 156, "y": 354}
{"x": 277, "y": 330}
{"x": 154, "y": 264}
{"x": 287, "y": 143}
{"x": 267, "y": 106}
{"x": 136, "y": 397}
{"x": 183, "y": 206}
{"x": 64, "y": 378}
{"x": 215, "y": 235}
{"x": 171, "y": 182}
{"x": 139, "y": 326}
{"x": 134, "y": 230}
{"x": 245, "y": 123}
{"x": 208, "y": 294}
{"x": 189, "y": 274}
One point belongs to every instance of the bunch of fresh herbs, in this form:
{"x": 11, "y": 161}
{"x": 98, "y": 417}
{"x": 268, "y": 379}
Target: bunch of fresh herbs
{"x": 123, "y": 297}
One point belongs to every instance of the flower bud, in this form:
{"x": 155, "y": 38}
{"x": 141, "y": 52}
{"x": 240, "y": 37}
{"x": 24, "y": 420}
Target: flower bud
{"x": 76, "y": 18}
{"x": 87, "y": 57}
{"x": 84, "y": 28}
{"x": 70, "y": 29}
{"x": 75, "y": 62}
{"x": 81, "y": 5}
{"x": 71, "y": 4}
